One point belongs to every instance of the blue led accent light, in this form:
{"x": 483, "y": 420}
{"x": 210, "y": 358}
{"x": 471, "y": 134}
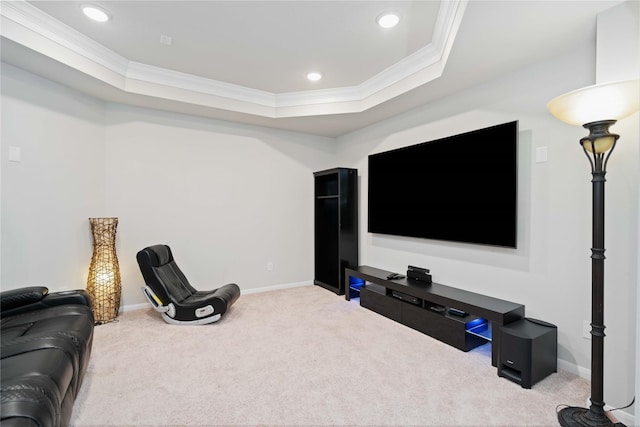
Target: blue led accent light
{"x": 480, "y": 328}
{"x": 355, "y": 282}
{"x": 476, "y": 322}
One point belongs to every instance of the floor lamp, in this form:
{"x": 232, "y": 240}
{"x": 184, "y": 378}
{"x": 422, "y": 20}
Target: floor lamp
{"x": 103, "y": 283}
{"x": 596, "y": 108}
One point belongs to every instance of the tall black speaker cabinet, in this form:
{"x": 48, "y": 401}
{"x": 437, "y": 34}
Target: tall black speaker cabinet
{"x": 336, "y": 227}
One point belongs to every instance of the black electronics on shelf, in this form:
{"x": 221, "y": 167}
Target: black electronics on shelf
{"x": 418, "y": 273}
{"x": 336, "y": 227}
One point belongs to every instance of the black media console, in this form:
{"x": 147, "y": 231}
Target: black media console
{"x": 425, "y": 307}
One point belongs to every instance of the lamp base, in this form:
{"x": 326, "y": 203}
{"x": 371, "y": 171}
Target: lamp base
{"x": 574, "y": 416}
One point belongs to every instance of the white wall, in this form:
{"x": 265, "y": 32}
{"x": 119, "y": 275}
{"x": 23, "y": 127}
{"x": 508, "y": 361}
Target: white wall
{"x": 618, "y": 43}
{"x": 550, "y": 271}
{"x": 48, "y": 197}
{"x": 618, "y": 58}
{"x": 227, "y": 198}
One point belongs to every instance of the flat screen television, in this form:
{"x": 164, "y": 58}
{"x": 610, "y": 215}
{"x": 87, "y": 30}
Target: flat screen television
{"x": 462, "y": 188}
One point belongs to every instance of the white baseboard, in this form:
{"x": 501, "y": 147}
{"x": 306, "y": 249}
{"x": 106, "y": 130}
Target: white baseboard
{"x": 572, "y": 368}
{"x": 275, "y": 287}
{"x": 622, "y": 416}
{"x": 132, "y": 307}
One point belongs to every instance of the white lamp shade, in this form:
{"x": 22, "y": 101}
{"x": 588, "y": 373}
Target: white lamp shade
{"x": 608, "y": 101}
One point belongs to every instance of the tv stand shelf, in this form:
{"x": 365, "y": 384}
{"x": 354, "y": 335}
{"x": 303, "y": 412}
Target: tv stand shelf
{"x": 427, "y": 311}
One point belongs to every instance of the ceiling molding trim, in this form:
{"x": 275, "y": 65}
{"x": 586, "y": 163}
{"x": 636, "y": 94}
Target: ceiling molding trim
{"x": 431, "y": 56}
{"x": 319, "y": 96}
{"x": 83, "y": 54}
{"x": 163, "y": 77}
{"x": 443, "y": 38}
{"x": 198, "y": 98}
{"x": 32, "y": 42}
{"x": 46, "y": 26}
{"x": 378, "y": 84}
{"x": 427, "y": 62}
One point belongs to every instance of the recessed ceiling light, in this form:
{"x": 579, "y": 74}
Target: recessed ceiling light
{"x": 388, "y": 20}
{"x": 96, "y": 13}
{"x": 314, "y": 76}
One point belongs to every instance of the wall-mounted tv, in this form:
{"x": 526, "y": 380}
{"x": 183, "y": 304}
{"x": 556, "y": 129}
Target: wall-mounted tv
{"x": 462, "y": 188}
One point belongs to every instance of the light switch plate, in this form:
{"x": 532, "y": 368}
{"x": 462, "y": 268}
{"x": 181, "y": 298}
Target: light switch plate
{"x": 541, "y": 154}
{"x": 14, "y": 154}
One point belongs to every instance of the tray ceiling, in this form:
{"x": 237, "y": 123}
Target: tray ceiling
{"x": 247, "y": 60}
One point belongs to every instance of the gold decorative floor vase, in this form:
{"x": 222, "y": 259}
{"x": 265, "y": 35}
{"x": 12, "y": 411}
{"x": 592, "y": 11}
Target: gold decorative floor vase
{"x": 103, "y": 283}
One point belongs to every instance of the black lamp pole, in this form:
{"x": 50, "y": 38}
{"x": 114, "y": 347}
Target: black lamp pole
{"x": 598, "y": 147}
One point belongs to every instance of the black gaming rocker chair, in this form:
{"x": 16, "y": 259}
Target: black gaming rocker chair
{"x": 170, "y": 293}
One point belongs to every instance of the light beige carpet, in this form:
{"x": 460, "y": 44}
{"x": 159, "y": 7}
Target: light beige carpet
{"x": 301, "y": 356}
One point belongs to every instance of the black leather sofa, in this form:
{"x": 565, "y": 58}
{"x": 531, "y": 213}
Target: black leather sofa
{"x": 45, "y": 347}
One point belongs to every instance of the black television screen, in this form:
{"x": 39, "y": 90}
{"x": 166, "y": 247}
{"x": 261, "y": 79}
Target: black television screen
{"x": 461, "y": 188}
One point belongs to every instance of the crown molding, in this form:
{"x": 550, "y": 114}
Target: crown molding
{"x": 32, "y": 18}
{"x": 30, "y": 27}
{"x": 189, "y": 82}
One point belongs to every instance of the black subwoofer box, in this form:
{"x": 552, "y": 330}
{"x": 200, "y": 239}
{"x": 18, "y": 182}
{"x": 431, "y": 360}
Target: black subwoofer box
{"x": 528, "y": 351}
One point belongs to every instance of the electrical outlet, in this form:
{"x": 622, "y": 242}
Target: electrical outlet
{"x": 269, "y": 266}
{"x": 586, "y": 329}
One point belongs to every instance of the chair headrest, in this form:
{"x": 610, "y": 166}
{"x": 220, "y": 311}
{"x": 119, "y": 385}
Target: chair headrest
{"x": 159, "y": 255}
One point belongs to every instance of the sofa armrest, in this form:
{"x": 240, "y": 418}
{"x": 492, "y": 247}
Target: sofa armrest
{"x": 20, "y": 297}
{"x": 78, "y": 296}
{"x": 37, "y": 298}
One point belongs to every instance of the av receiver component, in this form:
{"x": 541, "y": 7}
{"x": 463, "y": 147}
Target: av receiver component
{"x": 417, "y": 273}
{"x": 405, "y": 297}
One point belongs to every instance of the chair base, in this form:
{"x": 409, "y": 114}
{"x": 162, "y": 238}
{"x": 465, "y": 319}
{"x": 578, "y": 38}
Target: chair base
{"x": 203, "y": 321}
